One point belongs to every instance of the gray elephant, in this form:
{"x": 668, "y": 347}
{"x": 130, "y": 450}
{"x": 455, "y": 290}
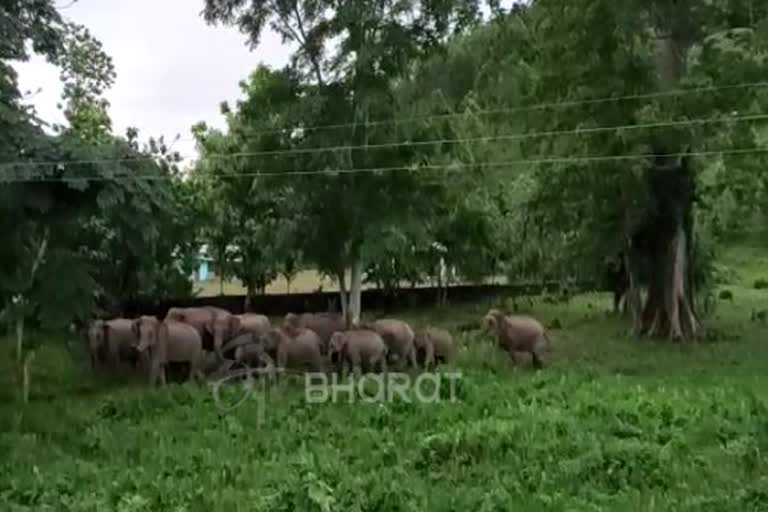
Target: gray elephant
{"x": 299, "y": 350}
{"x": 97, "y": 346}
{"x": 360, "y": 348}
{"x": 201, "y": 319}
{"x": 517, "y": 333}
{"x": 113, "y": 342}
{"x": 433, "y": 345}
{"x": 223, "y": 328}
{"x": 254, "y": 323}
{"x": 398, "y": 336}
{"x": 324, "y": 324}
{"x": 169, "y": 341}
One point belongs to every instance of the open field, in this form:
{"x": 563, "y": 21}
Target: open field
{"x": 611, "y": 424}
{"x": 306, "y": 281}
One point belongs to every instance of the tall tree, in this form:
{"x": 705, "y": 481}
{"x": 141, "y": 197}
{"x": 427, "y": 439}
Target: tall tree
{"x": 354, "y": 52}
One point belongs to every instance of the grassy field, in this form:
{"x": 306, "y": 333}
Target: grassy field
{"x": 612, "y": 424}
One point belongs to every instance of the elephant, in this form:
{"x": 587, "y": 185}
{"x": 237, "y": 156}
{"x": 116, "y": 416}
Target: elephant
{"x": 113, "y": 341}
{"x": 229, "y": 348}
{"x": 398, "y": 336}
{"x": 169, "y": 341}
{"x": 97, "y": 346}
{"x": 223, "y": 328}
{"x": 517, "y": 333}
{"x": 201, "y": 319}
{"x": 253, "y": 323}
{"x": 324, "y": 324}
{"x": 433, "y": 345}
{"x": 299, "y": 349}
{"x": 254, "y": 355}
{"x": 358, "y": 348}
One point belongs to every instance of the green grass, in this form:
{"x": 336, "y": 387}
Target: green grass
{"x": 612, "y": 424}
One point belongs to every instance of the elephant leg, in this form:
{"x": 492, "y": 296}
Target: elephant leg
{"x": 412, "y": 357}
{"x": 383, "y": 365}
{"x": 536, "y": 360}
{"x": 511, "y": 360}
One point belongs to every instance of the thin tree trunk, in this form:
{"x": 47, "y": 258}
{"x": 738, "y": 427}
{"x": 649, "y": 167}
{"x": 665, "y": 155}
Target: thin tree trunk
{"x": 343, "y": 295}
{"x": 356, "y": 286}
{"x": 250, "y": 292}
{"x": 25, "y": 377}
{"x": 19, "y": 339}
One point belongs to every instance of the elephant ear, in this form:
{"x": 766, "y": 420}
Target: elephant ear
{"x": 135, "y": 328}
{"x": 208, "y": 326}
{"x": 162, "y": 333}
{"x": 234, "y": 325}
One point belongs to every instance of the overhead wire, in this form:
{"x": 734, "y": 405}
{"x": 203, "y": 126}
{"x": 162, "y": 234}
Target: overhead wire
{"x": 415, "y": 168}
{"x": 367, "y": 147}
{"x": 417, "y": 143}
{"x": 522, "y": 108}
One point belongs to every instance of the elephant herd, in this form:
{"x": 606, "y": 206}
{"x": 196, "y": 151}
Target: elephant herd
{"x": 207, "y": 339}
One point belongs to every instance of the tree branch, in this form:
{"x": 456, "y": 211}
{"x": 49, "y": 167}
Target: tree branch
{"x": 310, "y": 55}
{"x": 41, "y": 250}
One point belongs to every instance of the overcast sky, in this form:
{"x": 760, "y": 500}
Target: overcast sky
{"x": 173, "y": 70}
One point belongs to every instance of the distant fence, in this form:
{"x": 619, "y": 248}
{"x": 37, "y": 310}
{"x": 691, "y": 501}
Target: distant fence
{"x": 372, "y": 299}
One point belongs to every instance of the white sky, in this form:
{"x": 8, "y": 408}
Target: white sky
{"x": 173, "y": 70}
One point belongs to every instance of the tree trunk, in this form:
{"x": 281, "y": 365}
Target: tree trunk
{"x": 19, "y": 339}
{"x": 355, "y": 292}
{"x": 250, "y": 292}
{"x": 343, "y": 296}
{"x": 668, "y": 311}
{"x": 25, "y": 377}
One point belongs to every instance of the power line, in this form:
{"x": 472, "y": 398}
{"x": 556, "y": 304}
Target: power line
{"x": 492, "y": 138}
{"x": 498, "y": 138}
{"x": 512, "y": 110}
{"x": 452, "y": 166}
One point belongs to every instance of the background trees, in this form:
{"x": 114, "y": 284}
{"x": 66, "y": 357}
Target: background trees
{"x": 405, "y": 139}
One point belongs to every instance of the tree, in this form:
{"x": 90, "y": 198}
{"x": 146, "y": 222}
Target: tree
{"x": 649, "y": 52}
{"x": 349, "y": 84}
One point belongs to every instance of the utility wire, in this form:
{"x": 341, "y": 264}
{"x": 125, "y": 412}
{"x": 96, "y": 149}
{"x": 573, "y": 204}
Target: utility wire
{"x": 492, "y": 138}
{"x": 512, "y": 110}
{"x": 414, "y": 168}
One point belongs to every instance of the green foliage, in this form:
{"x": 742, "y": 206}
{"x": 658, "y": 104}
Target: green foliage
{"x": 608, "y": 426}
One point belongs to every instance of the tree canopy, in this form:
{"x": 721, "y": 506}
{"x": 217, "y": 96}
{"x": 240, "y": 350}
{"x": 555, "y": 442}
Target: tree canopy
{"x": 405, "y": 141}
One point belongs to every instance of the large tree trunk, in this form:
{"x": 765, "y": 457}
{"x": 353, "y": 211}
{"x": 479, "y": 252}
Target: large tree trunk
{"x": 668, "y": 311}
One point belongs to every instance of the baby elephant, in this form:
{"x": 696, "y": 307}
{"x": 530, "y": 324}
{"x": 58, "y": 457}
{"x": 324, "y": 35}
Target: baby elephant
{"x": 324, "y": 324}
{"x": 299, "y": 349}
{"x": 517, "y": 333}
{"x": 398, "y": 337}
{"x": 358, "y": 347}
{"x": 433, "y": 345}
